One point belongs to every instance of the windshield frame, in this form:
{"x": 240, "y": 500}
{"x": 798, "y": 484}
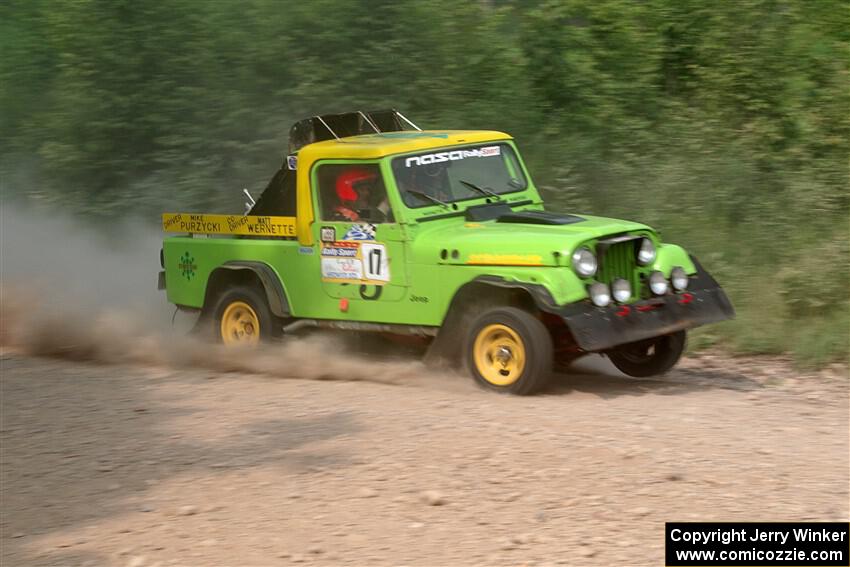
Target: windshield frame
{"x": 471, "y": 194}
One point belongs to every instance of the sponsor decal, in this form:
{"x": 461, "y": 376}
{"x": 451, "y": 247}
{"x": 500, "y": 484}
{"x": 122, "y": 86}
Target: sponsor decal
{"x": 360, "y": 232}
{"x": 341, "y": 250}
{"x": 229, "y": 224}
{"x": 452, "y": 156}
{"x": 187, "y": 266}
{"x": 342, "y": 269}
{"x": 352, "y": 261}
{"x": 306, "y": 250}
{"x": 328, "y": 234}
{"x": 418, "y": 299}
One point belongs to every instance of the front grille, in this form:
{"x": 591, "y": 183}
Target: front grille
{"x": 617, "y": 260}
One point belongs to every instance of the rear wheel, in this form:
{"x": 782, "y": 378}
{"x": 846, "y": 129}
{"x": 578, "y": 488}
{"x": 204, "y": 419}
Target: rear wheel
{"x": 242, "y": 317}
{"x": 509, "y": 350}
{"x": 651, "y": 357}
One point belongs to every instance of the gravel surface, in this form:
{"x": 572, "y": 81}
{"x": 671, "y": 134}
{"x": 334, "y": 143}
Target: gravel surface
{"x": 142, "y": 466}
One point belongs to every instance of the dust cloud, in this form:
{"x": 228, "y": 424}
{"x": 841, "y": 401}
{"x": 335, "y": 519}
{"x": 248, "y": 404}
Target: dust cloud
{"x": 82, "y": 292}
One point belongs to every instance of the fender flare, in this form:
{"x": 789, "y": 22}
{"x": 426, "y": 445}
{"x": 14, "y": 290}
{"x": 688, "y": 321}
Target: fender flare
{"x": 272, "y": 285}
{"x": 543, "y": 300}
{"x": 541, "y": 296}
{"x": 447, "y": 344}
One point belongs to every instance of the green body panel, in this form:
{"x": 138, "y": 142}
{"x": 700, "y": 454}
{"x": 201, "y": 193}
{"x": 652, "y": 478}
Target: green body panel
{"x": 491, "y": 237}
{"x": 428, "y": 260}
{"x": 424, "y": 301}
{"x": 670, "y": 256}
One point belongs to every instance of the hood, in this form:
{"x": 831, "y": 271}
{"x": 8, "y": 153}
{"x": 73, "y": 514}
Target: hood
{"x": 512, "y": 243}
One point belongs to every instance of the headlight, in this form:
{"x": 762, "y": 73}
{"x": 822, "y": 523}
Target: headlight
{"x": 646, "y": 254}
{"x": 600, "y": 295}
{"x": 584, "y": 262}
{"x": 621, "y": 290}
{"x": 657, "y": 283}
{"x": 679, "y": 279}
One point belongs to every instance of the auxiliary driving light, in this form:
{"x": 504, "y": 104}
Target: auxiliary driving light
{"x": 679, "y": 279}
{"x": 646, "y": 253}
{"x": 621, "y": 290}
{"x": 584, "y": 262}
{"x": 657, "y": 283}
{"x": 600, "y": 295}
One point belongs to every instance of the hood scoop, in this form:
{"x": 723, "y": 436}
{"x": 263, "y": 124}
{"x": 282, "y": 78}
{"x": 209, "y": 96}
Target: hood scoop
{"x": 539, "y": 217}
{"x": 490, "y": 211}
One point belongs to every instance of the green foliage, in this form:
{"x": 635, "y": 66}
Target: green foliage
{"x": 819, "y": 341}
{"x": 725, "y": 125}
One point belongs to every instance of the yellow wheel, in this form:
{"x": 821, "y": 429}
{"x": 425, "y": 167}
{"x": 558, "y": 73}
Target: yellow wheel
{"x": 499, "y": 355}
{"x": 239, "y": 324}
{"x": 509, "y": 350}
{"x": 242, "y": 317}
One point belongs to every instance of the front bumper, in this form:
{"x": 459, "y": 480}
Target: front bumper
{"x": 602, "y": 328}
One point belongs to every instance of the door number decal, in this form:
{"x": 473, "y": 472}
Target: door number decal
{"x": 376, "y": 267}
{"x": 352, "y": 261}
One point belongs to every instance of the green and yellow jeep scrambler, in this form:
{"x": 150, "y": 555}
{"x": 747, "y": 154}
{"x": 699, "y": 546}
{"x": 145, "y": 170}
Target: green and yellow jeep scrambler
{"x": 373, "y": 225}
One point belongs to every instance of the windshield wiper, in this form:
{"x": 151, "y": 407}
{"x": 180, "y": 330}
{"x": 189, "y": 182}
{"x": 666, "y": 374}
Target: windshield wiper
{"x": 481, "y": 190}
{"x": 427, "y": 196}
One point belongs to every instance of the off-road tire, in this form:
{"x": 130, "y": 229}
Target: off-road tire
{"x": 266, "y": 325}
{"x": 649, "y": 358}
{"x": 509, "y": 328}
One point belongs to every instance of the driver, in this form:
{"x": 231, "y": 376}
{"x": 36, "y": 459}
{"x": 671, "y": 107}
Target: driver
{"x": 353, "y": 189}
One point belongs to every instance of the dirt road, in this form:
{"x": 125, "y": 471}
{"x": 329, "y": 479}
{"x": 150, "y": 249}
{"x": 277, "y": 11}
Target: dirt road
{"x": 136, "y": 466}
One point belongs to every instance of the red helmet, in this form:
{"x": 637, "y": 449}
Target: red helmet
{"x": 345, "y": 183}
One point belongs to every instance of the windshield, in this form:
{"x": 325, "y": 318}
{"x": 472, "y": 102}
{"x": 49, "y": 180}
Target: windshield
{"x": 447, "y": 176}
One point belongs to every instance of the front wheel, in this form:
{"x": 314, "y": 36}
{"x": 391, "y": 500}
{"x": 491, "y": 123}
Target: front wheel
{"x": 242, "y": 317}
{"x": 509, "y": 350}
{"x": 650, "y": 357}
